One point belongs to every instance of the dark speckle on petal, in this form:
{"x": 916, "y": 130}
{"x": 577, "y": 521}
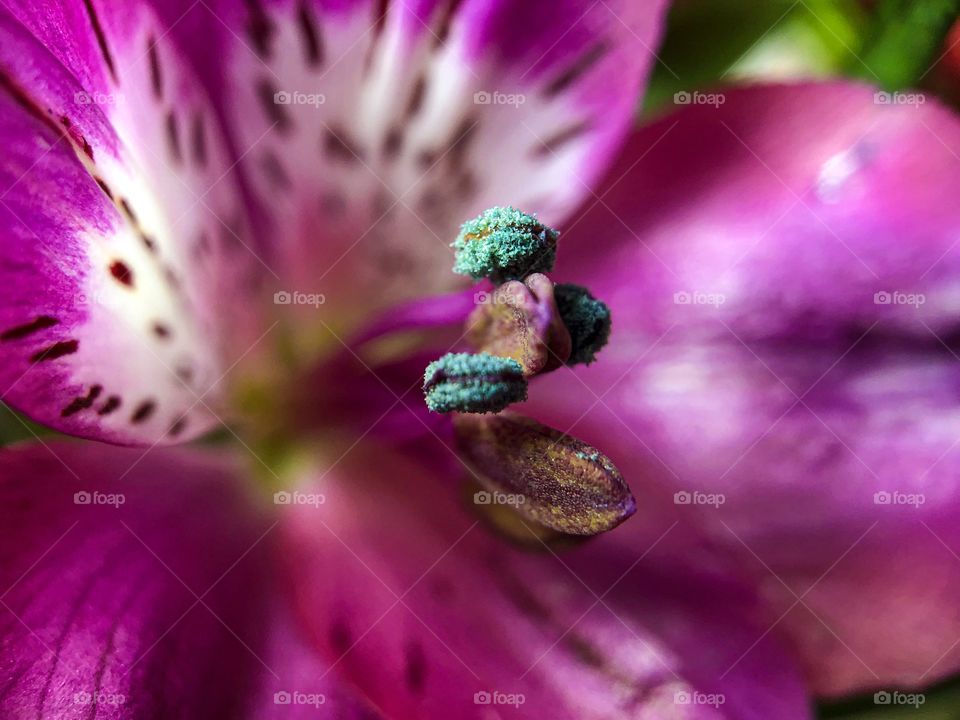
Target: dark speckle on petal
{"x": 415, "y": 667}
{"x": 57, "y": 350}
{"x": 112, "y": 403}
{"x": 340, "y": 636}
{"x": 21, "y": 331}
{"x": 143, "y": 412}
{"x": 122, "y": 272}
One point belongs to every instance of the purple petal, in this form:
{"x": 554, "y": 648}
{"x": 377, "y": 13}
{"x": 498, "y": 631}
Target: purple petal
{"x": 298, "y": 685}
{"x": 430, "y": 616}
{"x": 120, "y": 245}
{"x": 420, "y": 314}
{"x": 133, "y": 585}
{"x": 369, "y": 138}
{"x": 782, "y": 272}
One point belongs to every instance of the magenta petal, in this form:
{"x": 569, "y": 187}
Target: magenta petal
{"x": 130, "y": 579}
{"x": 412, "y": 599}
{"x": 782, "y": 272}
{"x": 119, "y": 251}
{"x": 297, "y": 685}
{"x": 422, "y": 314}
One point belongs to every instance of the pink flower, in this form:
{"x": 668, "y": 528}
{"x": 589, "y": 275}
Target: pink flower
{"x": 237, "y": 215}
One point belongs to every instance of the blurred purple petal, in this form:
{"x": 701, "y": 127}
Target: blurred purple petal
{"x": 782, "y": 271}
{"x": 301, "y": 684}
{"x": 430, "y": 616}
{"x": 131, "y": 581}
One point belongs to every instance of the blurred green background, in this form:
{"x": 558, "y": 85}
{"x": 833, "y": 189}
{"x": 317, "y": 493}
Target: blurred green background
{"x": 894, "y": 44}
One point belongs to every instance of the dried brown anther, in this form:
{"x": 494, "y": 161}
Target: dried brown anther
{"x": 521, "y": 321}
{"x": 545, "y": 475}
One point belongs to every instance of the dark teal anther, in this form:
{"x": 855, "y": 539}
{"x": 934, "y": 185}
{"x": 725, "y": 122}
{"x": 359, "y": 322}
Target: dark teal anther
{"x": 482, "y": 383}
{"x": 504, "y": 244}
{"x": 587, "y": 319}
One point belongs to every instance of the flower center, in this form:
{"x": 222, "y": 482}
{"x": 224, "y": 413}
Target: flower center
{"x": 523, "y": 327}
{"x": 528, "y": 326}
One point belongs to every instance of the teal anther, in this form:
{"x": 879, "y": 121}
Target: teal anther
{"x": 482, "y": 383}
{"x": 587, "y": 319}
{"x": 504, "y": 244}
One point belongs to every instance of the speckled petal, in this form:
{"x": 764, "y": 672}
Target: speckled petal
{"x": 122, "y": 241}
{"x": 371, "y": 130}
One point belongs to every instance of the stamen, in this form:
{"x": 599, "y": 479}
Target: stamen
{"x": 483, "y": 383}
{"x": 548, "y": 476}
{"x": 521, "y": 321}
{"x": 504, "y": 244}
{"x": 587, "y": 319}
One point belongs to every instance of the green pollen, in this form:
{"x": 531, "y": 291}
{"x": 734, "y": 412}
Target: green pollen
{"x": 504, "y": 244}
{"x": 587, "y": 319}
{"x": 482, "y": 383}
